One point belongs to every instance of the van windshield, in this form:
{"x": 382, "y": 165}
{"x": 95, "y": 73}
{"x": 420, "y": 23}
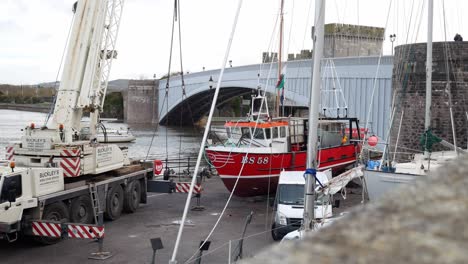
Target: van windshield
{"x": 291, "y": 194}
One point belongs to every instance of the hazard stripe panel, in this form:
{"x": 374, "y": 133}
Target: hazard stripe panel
{"x": 10, "y": 153}
{"x": 70, "y": 162}
{"x": 85, "y": 231}
{"x": 184, "y": 187}
{"x": 46, "y": 229}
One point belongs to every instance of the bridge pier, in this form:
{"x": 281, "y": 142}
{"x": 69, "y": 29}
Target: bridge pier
{"x": 141, "y": 102}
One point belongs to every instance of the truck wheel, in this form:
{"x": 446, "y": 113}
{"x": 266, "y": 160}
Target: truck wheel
{"x": 114, "y": 202}
{"x": 274, "y": 233}
{"x": 81, "y": 210}
{"x": 132, "y": 196}
{"x": 54, "y": 212}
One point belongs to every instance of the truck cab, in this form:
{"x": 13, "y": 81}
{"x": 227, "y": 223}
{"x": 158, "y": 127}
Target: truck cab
{"x": 289, "y": 202}
{"x": 19, "y": 189}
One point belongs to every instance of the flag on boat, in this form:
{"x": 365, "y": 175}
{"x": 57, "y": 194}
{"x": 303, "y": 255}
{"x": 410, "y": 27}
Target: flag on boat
{"x": 280, "y": 84}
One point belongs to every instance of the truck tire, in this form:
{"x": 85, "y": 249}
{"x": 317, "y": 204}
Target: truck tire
{"x": 54, "y": 212}
{"x": 132, "y": 196}
{"x": 114, "y": 203}
{"x": 274, "y": 233}
{"x": 81, "y": 210}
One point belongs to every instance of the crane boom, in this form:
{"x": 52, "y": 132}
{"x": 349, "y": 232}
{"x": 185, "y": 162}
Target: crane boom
{"x": 85, "y": 76}
{"x": 64, "y": 142}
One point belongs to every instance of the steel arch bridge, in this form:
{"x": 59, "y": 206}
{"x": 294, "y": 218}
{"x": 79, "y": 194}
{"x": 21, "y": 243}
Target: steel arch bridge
{"x": 357, "y": 77}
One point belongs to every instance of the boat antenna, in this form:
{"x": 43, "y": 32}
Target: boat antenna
{"x": 280, "y": 51}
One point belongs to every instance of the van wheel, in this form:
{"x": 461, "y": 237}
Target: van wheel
{"x": 274, "y": 233}
{"x": 81, "y": 210}
{"x": 114, "y": 203}
{"x": 132, "y": 196}
{"x": 54, "y": 212}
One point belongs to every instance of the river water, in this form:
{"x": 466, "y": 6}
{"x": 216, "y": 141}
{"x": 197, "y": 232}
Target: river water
{"x": 183, "y": 142}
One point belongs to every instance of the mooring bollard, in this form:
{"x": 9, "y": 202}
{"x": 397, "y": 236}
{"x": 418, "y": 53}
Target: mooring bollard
{"x": 156, "y": 244}
{"x": 204, "y": 246}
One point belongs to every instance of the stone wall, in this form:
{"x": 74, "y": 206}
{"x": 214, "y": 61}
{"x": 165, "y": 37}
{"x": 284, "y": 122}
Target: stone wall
{"x": 141, "y": 104}
{"x": 409, "y": 83}
{"x": 343, "y": 40}
{"x": 424, "y": 222}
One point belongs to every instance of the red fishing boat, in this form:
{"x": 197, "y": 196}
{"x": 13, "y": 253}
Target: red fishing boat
{"x": 259, "y": 148}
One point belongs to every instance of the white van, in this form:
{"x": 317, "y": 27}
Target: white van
{"x": 289, "y": 202}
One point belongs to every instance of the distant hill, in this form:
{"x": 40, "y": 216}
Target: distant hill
{"x": 113, "y": 86}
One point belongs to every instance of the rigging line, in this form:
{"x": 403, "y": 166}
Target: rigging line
{"x": 410, "y": 19}
{"x": 290, "y": 29}
{"x": 303, "y": 62}
{"x": 205, "y": 134}
{"x": 169, "y": 77}
{"x": 403, "y": 73}
{"x": 448, "y": 87}
{"x": 233, "y": 240}
{"x": 272, "y": 38}
{"x": 377, "y": 72}
{"x": 156, "y": 129}
{"x": 416, "y": 19}
{"x": 166, "y": 95}
{"x": 248, "y": 149}
{"x": 58, "y": 72}
{"x": 184, "y": 95}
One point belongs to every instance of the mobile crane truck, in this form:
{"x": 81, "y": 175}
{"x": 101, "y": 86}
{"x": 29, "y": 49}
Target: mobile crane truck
{"x": 62, "y": 171}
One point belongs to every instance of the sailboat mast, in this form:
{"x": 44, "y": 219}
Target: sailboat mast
{"x": 427, "y": 120}
{"x": 314, "y": 111}
{"x": 280, "y": 52}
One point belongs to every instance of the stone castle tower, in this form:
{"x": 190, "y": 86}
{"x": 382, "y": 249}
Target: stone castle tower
{"x": 344, "y": 40}
{"x": 409, "y": 84}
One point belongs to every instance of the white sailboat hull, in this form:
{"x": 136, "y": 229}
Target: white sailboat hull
{"x": 379, "y": 182}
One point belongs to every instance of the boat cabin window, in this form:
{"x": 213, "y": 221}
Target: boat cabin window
{"x": 235, "y": 132}
{"x": 268, "y": 133}
{"x": 246, "y": 131}
{"x": 275, "y": 132}
{"x": 331, "y": 133}
{"x": 259, "y": 134}
{"x": 283, "y": 132}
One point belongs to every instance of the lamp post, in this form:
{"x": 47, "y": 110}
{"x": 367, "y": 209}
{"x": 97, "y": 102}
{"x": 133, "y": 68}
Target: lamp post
{"x": 392, "y": 39}
{"x": 210, "y": 82}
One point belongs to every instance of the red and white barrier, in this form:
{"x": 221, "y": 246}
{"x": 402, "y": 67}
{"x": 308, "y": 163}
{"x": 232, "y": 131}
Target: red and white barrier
{"x": 184, "y": 187}
{"x": 50, "y": 229}
{"x": 47, "y": 229}
{"x": 85, "y": 231}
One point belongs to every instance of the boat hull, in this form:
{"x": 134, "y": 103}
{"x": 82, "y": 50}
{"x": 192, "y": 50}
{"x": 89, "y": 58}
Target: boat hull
{"x": 115, "y": 138}
{"x": 258, "y": 173}
{"x": 380, "y": 182}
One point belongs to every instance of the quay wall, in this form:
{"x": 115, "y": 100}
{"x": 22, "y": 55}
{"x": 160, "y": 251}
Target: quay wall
{"x": 26, "y": 107}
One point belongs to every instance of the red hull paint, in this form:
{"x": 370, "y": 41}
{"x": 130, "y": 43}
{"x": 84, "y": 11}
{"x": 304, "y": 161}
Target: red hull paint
{"x": 261, "y": 171}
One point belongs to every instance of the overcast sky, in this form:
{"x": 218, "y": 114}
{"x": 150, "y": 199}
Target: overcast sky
{"x": 33, "y": 32}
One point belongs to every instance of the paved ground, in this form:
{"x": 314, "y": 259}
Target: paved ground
{"x": 128, "y": 237}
